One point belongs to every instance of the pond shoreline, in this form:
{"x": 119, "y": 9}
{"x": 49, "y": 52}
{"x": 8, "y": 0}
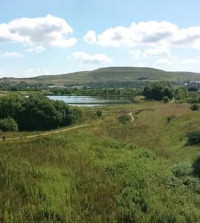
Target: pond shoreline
{"x": 90, "y": 100}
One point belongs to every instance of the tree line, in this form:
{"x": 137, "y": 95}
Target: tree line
{"x": 164, "y": 91}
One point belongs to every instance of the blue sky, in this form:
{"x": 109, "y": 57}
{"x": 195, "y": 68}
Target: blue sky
{"x": 62, "y": 36}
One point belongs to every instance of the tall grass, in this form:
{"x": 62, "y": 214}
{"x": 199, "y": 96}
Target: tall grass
{"x": 105, "y": 173}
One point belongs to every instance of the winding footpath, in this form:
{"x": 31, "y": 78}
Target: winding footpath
{"x": 131, "y": 115}
{"x": 56, "y": 131}
{"x": 47, "y": 133}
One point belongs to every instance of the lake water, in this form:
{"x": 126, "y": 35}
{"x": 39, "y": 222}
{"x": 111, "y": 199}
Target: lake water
{"x": 90, "y": 100}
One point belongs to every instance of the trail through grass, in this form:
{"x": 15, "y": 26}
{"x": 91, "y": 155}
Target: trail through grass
{"x": 106, "y": 172}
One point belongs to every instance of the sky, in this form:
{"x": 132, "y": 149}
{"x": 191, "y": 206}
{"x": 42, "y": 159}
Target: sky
{"x": 44, "y": 37}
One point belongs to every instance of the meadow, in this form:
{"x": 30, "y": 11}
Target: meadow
{"x": 141, "y": 171}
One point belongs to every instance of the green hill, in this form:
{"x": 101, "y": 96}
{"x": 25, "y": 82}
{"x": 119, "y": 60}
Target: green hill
{"x": 110, "y": 74}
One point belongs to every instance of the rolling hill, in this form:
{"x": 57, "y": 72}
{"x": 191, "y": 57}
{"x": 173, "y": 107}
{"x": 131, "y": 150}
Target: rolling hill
{"x": 109, "y": 74}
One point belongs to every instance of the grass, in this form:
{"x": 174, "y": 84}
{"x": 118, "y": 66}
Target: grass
{"x": 108, "y": 172}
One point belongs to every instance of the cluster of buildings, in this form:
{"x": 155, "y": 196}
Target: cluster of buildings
{"x": 193, "y": 85}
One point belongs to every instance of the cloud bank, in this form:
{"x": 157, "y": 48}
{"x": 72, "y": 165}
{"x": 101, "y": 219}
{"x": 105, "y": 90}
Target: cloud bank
{"x": 149, "y": 34}
{"x": 43, "y": 32}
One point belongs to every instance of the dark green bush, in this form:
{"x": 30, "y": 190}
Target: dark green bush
{"x": 165, "y": 99}
{"x": 99, "y": 113}
{"x": 124, "y": 119}
{"x": 38, "y": 112}
{"x": 194, "y": 138}
{"x": 8, "y": 124}
{"x": 194, "y": 107}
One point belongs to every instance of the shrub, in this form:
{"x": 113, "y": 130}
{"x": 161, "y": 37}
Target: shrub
{"x": 195, "y": 100}
{"x": 182, "y": 169}
{"x": 194, "y": 138}
{"x": 181, "y": 93}
{"x": 99, "y": 113}
{"x": 165, "y": 99}
{"x": 8, "y": 124}
{"x": 124, "y": 119}
{"x": 77, "y": 115}
{"x": 194, "y": 107}
{"x": 170, "y": 118}
{"x": 186, "y": 174}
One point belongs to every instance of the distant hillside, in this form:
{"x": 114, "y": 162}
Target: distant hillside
{"x": 109, "y": 74}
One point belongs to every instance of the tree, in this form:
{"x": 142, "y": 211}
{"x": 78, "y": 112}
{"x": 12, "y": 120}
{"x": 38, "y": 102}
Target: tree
{"x": 38, "y": 112}
{"x": 10, "y": 106}
{"x": 156, "y": 91}
{"x": 8, "y": 124}
{"x": 181, "y": 93}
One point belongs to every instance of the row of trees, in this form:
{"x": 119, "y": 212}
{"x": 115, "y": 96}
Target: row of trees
{"x": 162, "y": 90}
{"x": 36, "y": 112}
{"x": 126, "y": 92}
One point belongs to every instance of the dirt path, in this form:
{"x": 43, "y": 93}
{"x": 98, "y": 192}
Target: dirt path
{"x": 47, "y": 133}
{"x": 131, "y": 115}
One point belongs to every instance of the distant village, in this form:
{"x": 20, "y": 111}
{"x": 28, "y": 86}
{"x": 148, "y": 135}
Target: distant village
{"x": 193, "y": 85}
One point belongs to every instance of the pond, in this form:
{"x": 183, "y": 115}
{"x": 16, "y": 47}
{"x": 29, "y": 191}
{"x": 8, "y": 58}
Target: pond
{"x": 91, "y": 100}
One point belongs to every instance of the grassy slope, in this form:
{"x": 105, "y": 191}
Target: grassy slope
{"x": 118, "y": 74}
{"x": 108, "y": 172}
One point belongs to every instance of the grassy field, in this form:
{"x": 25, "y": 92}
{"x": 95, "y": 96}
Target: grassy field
{"x": 108, "y": 172}
{"x": 109, "y": 74}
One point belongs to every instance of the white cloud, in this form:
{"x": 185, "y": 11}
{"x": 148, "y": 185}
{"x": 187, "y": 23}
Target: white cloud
{"x": 44, "y": 31}
{"x": 150, "y": 34}
{"x": 157, "y": 51}
{"x": 37, "y": 49}
{"x": 11, "y": 55}
{"x": 88, "y": 58}
{"x": 137, "y": 54}
{"x": 175, "y": 61}
{"x": 90, "y": 37}
{"x": 190, "y": 61}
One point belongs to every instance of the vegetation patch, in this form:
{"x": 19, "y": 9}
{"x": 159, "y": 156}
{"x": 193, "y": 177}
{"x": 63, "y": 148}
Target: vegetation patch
{"x": 124, "y": 119}
{"x": 194, "y": 138}
{"x": 194, "y": 107}
{"x": 36, "y": 112}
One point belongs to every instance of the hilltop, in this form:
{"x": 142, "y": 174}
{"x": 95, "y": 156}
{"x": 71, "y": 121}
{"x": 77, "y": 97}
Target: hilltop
{"x": 108, "y": 75}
